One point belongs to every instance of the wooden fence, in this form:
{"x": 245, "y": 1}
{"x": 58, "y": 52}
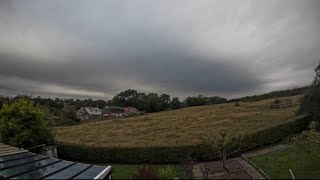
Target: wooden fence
{"x": 281, "y": 105}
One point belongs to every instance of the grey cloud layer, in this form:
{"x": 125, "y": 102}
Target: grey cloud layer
{"x": 98, "y": 48}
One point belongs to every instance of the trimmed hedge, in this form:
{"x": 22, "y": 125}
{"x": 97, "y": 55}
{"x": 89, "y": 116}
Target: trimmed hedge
{"x": 275, "y": 134}
{"x": 180, "y": 153}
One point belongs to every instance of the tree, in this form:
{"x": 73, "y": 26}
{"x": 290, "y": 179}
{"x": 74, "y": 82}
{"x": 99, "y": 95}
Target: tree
{"x": 310, "y": 103}
{"x": 153, "y": 102}
{"x": 200, "y": 100}
{"x": 2, "y": 101}
{"x": 165, "y": 101}
{"x": 24, "y": 125}
{"x": 216, "y": 100}
{"x": 224, "y": 145}
{"x": 69, "y": 112}
{"x": 126, "y": 98}
{"x": 175, "y": 103}
{"x": 101, "y": 104}
{"x": 141, "y": 102}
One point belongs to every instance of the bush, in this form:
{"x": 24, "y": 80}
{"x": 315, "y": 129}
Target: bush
{"x": 69, "y": 112}
{"x": 24, "y": 125}
{"x": 178, "y": 154}
{"x": 276, "y": 101}
{"x": 64, "y": 121}
{"x": 308, "y": 141}
{"x": 237, "y": 104}
{"x": 146, "y": 172}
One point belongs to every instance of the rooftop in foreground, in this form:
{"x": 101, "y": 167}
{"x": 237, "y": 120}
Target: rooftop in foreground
{"x": 17, "y": 163}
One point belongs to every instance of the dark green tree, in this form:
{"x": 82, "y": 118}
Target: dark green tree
{"x": 165, "y": 101}
{"x": 23, "y": 124}
{"x": 216, "y": 100}
{"x": 2, "y": 101}
{"x": 153, "y": 103}
{"x": 176, "y": 103}
{"x": 141, "y": 102}
{"x": 127, "y": 98}
{"x": 196, "y": 101}
{"x": 69, "y": 112}
{"x": 310, "y": 103}
{"x": 224, "y": 145}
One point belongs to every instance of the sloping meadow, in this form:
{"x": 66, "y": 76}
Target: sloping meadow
{"x": 178, "y": 127}
{"x": 170, "y": 136}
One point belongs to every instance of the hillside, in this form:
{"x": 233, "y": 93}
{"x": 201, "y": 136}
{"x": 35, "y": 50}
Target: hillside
{"x": 179, "y": 127}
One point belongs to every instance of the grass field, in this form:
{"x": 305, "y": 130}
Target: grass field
{"x": 178, "y": 127}
{"x": 277, "y": 164}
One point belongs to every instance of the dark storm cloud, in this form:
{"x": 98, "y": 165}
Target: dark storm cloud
{"x": 98, "y": 48}
{"x": 178, "y": 72}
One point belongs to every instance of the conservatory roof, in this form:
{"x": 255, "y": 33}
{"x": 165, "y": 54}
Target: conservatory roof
{"x": 17, "y": 163}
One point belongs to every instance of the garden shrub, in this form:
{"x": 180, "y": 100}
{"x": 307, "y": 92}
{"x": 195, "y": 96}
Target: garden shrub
{"x": 163, "y": 155}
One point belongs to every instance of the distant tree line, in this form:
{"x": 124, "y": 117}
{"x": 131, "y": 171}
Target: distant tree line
{"x": 274, "y": 94}
{"x": 151, "y": 102}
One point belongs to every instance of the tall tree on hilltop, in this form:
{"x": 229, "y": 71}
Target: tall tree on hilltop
{"x": 126, "y": 98}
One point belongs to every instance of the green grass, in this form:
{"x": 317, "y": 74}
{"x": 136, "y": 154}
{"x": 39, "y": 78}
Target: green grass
{"x": 127, "y": 171}
{"x": 178, "y": 127}
{"x": 304, "y": 164}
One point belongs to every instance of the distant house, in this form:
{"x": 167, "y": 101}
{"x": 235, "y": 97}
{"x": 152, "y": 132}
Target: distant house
{"x": 113, "y": 111}
{"x": 130, "y": 110}
{"x": 88, "y": 113}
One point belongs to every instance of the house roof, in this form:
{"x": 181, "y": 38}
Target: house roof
{"x": 113, "y": 107}
{"x": 22, "y": 164}
{"x": 93, "y": 111}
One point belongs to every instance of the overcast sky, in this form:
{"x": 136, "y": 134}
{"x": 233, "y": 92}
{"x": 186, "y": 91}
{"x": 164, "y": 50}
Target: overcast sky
{"x": 183, "y": 48}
